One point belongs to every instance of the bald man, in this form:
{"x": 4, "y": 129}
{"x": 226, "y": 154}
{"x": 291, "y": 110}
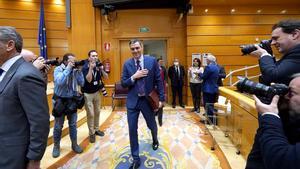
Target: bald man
{"x": 37, "y": 62}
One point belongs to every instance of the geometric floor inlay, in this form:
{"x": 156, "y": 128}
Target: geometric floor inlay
{"x": 180, "y": 146}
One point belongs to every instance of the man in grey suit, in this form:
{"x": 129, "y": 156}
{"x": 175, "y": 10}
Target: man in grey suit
{"x": 24, "y": 113}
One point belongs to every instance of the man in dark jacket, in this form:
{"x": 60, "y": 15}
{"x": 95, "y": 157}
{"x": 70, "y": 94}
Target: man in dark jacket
{"x": 277, "y": 151}
{"x": 286, "y": 39}
{"x": 176, "y": 74}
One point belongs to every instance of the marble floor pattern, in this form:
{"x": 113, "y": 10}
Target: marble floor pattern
{"x": 181, "y": 146}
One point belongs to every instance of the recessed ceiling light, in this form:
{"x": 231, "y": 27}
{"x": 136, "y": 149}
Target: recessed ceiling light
{"x": 258, "y": 11}
{"x": 283, "y": 11}
{"x": 232, "y": 10}
{"x": 206, "y": 10}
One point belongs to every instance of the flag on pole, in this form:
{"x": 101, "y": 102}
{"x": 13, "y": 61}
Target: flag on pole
{"x": 42, "y": 33}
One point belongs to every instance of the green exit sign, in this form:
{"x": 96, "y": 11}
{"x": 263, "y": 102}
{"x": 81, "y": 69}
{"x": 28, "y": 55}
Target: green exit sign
{"x": 144, "y": 29}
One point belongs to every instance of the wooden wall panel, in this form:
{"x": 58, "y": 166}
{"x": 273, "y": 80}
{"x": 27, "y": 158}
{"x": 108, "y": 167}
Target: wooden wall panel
{"x": 221, "y": 32}
{"x": 24, "y": 16}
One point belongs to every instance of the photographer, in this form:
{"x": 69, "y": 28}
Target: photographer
{"x": 66, "y": 79}
{"x": 92, "y": 73}
{"x": 286, "y": 39}
{"x": 276, "y": 149}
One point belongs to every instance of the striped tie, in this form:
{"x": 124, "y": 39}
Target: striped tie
{"x": 140, "y": 82}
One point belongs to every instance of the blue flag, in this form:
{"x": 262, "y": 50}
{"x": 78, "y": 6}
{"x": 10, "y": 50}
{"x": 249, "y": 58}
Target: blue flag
{"x": 42, "y": 33}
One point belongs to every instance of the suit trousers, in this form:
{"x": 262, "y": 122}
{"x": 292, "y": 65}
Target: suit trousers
{"x": 132, "y": 119}
{"x": 208, "y": 100}
{"x": 178, "y": 90}
{"x": 92, "y": 107}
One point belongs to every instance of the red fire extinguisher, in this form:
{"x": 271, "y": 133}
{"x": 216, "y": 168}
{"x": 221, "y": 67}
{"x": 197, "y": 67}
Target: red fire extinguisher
{"x": 106, "y": 65}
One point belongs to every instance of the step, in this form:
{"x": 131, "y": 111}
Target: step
{"x": 65, "y": 144}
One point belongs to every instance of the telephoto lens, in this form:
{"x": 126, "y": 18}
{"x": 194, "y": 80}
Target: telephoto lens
{"x": 265, "y": 44}
{"x": 264, "y": 92}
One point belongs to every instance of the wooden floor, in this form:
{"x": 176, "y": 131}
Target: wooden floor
{"x": 224, "y": 149}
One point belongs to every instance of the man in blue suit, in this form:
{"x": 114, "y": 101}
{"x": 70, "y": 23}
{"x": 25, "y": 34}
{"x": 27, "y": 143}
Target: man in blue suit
{"x": 210, "y": 86}
{"x": 141, "y": 75}
{"x": 276, "y": 150}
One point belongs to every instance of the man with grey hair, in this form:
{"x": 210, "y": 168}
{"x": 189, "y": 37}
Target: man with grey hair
{"x": 210, "y": 86}
{"x": 24, "y": 116}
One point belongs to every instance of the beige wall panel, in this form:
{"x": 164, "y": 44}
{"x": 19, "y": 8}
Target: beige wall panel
{"x": 237, "y": 19}
{"x": 31, "y": 15}
{"x": 269, "y": 9}
{"x": 83, "y": 34}
{"x": 49, "y": 6}
{"x": 33, "y": 24}
{"x": 61, "y": 43}
{"x": 223, "y": 40}
{"x": 51, "y": 34}
{"x": 229, "y": 30}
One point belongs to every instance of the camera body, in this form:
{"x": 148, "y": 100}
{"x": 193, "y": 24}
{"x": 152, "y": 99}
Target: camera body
{"x": 263, "y": 92}
{"x": 52, "y": 62}
{"x": 265, "y": 44}
{"x": 79, "y": 63}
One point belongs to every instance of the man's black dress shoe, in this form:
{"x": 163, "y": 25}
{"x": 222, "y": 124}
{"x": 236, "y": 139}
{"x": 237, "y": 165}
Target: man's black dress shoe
{"x": 173, "y": 106}
{"x": 155, "y": 145}
{"x": 182, "y": 106}
{"x": 135, "y": 165}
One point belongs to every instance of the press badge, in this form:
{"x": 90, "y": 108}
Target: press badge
{"x": 95, "y": 83}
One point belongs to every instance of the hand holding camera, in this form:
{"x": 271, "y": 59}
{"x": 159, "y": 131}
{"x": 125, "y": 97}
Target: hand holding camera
{"x": 270, "y": 108}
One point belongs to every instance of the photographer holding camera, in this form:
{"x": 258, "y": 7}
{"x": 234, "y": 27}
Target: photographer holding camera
{"x": 66, "y": 79}
{"x": 277, "y": 150}
{"x": 93, "y": 74}
{"x": 286, "y": 38}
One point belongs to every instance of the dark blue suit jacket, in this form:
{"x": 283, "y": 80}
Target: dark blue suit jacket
{"x": 277, "y": 152}
{"x": 151, "y": 81}
{"x": 210, "y": 78}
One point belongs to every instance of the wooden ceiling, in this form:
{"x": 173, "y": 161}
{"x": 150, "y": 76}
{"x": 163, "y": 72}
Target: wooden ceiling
{"x": 245, "y": 2}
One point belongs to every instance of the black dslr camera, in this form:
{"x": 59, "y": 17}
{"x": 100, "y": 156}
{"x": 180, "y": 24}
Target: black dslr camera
{"x": 265, "y": 44}
{"x": 79, "y": 63}
{"x": 263, "y": 92}
{"x": 52, "y": 62}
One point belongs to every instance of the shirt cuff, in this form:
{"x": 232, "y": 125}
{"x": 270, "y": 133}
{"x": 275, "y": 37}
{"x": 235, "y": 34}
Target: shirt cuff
{"x": 265, "y": 54}
{"x": 270, "y": 113}
{"x": 132, "y": 79}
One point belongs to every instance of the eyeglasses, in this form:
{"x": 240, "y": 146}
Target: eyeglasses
{"x": 136, "y": 48}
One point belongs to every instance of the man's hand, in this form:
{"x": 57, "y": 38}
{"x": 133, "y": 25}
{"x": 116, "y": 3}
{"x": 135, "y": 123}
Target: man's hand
{"x": 140, "y": 73}
{"x": 71, "y": 64}
{"x": 92, "y": 64}
{"x": 161, "y": 104}
{"x": 39, "y": 63}
{"x": 32, "y": 164}
{"x": 259, "y": 52}
{"x": 263, "y": 108}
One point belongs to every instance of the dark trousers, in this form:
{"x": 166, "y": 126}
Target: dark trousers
{"x": 196, "y": 94}
{"x": 178, "y": 90}
{"x": 209, "y": 99}
{"x": 132, "y": 118}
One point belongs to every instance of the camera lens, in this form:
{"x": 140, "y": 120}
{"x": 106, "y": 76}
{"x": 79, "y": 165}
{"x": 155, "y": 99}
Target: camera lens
{"x": 247, "y": 49}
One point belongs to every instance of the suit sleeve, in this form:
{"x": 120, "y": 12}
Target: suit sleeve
{"x": 273, "y": 72}
{"x": 222, "y": 73}
{"x": 206, "y": 73}
{"x": 277, "y": 152}
{"x": 126, "y": 76}
{"x": 159, "y": 82}
{"x": 32, "y": 94}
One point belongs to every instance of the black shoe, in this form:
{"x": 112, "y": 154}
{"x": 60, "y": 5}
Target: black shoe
{"x": 182, "y": 106}
{"x": 99, "y": 133}
{"x": 155, "y": 145}
{"x": 173, "y": 106}
{"x": 135, "y": 165}
{"x": 92, "y": 138}
{"x": 198, "y": 110}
